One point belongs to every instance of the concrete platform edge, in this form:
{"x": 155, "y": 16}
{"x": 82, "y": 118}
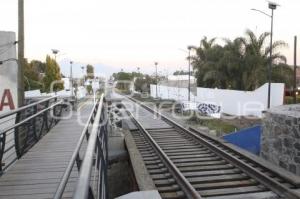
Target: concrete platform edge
{"x": 143, "y": 179}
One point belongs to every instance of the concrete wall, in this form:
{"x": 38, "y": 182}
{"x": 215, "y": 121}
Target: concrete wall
{"x": 243, "y": 102}
{"x": 9, "y": 69}
{"x": 8, "y": 86}
{"x": 233, "y": 102}
{"x": 174, "y": 93}
{"x": 280, "y": 141}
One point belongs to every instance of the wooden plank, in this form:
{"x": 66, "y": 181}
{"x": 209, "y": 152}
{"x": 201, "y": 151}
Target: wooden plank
{"x": 38, "y": 172}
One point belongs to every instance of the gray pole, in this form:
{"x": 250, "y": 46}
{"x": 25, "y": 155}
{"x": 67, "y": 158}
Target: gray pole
{"x": 21, "y": 52}
{"x": 82, "y": 67}
{"x": 156, "y": 77}
{"x": 189, "y": 87}
{"x": 295, "y": 69}
{"x": 71, "y": 78}
{"x": 270, "y": 64}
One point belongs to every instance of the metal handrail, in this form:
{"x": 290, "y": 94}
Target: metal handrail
{"x": 30, "y": 118}
{"x": 62, "y": 185}
{"x": 25, "y": 127}
{"x": 83, "y": 184}
{"x": 95, "y": 156}
{"x": 25, "y": 107}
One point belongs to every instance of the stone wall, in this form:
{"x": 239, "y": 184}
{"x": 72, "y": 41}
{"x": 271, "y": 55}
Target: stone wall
{"x": 280, "y": 141}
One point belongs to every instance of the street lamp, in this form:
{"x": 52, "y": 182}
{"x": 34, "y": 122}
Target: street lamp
{"x": 82, "y": 67}
{"x": 189, "y": 87}
{"x": 55, "y": 52}
{"x": 156, "y": 76}
{"x": 272, "y": 6}
{"x": 71, "y": 77}
{"x": 189, "y": 58}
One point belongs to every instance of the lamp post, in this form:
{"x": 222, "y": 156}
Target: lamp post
{"x": 55, "y": 52}
{"x": 82, "y": 68}
{"x": 272, "y": 6}
{"x": 156, "y": 76}
{"x": 189, "y": 59}
{"x": 189, "y": 86}
{"x": 71, "y": 77}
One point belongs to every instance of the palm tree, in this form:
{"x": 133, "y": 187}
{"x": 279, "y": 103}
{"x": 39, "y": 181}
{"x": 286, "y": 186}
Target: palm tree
{"x": 257, "y": 58}
{"x": 233, "y": 61}
{"x": 240, "y": 64}
{"x": 204, "y": 63}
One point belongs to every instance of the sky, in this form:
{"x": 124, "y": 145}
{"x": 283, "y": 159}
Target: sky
{"x": 126, "y": 34}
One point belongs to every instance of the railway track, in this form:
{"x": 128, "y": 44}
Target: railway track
{"x": 185, "y": 163}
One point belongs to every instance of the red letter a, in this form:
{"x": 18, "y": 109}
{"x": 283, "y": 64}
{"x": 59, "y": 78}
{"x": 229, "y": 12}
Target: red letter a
{"x": 9, "y": 102}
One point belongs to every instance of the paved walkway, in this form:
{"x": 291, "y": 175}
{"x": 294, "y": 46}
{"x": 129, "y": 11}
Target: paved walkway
{"x": 37, "y": 174}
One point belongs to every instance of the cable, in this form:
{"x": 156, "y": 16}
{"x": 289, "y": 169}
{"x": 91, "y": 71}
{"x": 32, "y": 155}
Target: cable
{"x": 9, "y": 46}
{"x": 10, "y": 59}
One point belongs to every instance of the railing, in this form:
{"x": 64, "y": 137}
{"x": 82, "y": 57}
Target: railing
{"x": 92, "y": 167}
{"x": 20, "y": 129}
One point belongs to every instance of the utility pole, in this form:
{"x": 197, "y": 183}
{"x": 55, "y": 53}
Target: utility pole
{"x": 295, "y": 70}
{"x": 21, "y": 48}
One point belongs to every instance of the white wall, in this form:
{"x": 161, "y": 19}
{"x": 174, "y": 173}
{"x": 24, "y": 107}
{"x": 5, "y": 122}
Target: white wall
{"x": 9, "y": 69}
{"x": 8, "y": 83}
{"x": 233, "y": 102}
{"x": 174, "y": 93}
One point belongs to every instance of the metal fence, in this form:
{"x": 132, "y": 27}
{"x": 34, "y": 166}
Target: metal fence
{"x": 92, "y": 166}
{"x": 20, "y": 129}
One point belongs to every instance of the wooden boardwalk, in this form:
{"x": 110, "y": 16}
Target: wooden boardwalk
{"x": 37, "y": 174}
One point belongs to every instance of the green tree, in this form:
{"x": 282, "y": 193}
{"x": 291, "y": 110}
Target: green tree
{"x": 240, "y": 64}
{"x": 206, "y": 63}
{"x": 32, "y": 75}
{"x": 283, "y": 73}
{"x": 90, "y": 71}
{"x": 181, "y": 72}
{"x": 142, "y": 83}
{"x": 257, "y": 58}
{"x": 52, "y": 73}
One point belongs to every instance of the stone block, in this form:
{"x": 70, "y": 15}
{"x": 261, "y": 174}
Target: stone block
{"x": 280, "y": 140}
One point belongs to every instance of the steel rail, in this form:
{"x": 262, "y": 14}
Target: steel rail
{"x": 186, "y": 186}
{"x": 26, "y": 107}
{"x": 265, "y": 180}
{"x": 83, "y": 184}
{"x": 291, "y": 178}
{"x": 30, "y": 118}
{"x": 64, "y": 180}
